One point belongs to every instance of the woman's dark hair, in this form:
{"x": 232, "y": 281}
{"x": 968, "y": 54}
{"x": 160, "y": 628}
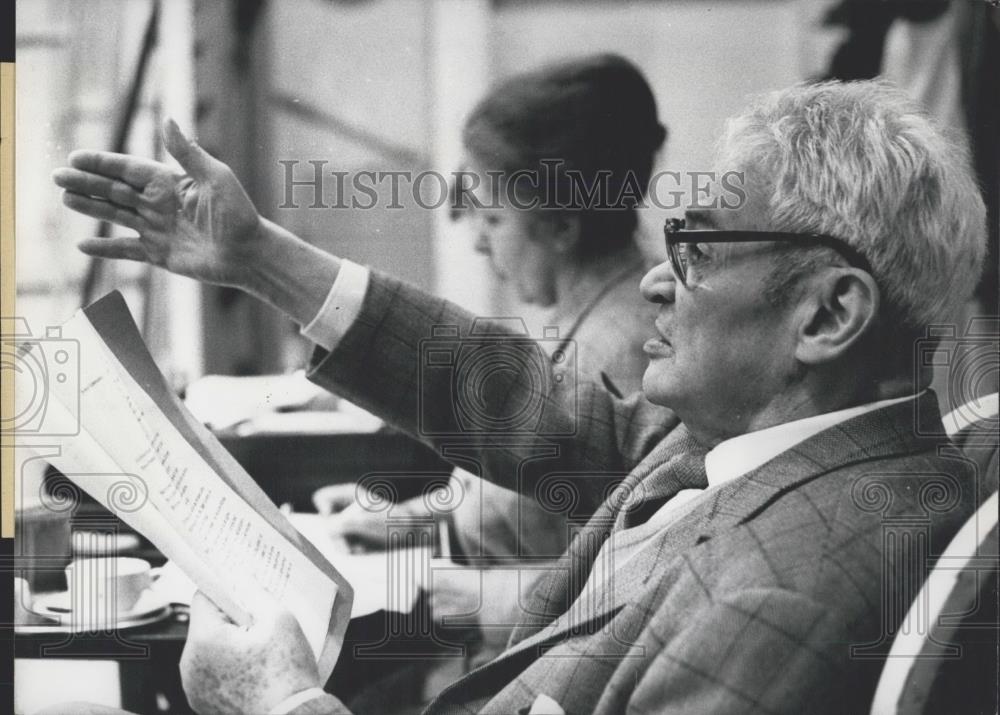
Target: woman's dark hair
{"x": 596, "y": 117}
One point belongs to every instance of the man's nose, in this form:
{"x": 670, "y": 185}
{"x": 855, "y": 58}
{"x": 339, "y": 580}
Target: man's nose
{"x": 659, "y": 284}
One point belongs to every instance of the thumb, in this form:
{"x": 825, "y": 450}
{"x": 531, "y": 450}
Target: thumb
{"x": 206, "y": 614}
{"x": 192, "y": 158}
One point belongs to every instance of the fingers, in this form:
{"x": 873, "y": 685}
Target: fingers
{"x": 361, "y": 528}
{"x": 194, "y": 160}
{"x": 205, "y": 615}
{"x": 82, "y": 182}
{"x": 128, "y": 248}
{"x": 133, "y": 170}
{"x": 106, "y": 211}
{"x": 265, "y": 610}
{"x": 322, "y": 501}
{"x": 334, "y": 498}
{"x": 152, "y": 203}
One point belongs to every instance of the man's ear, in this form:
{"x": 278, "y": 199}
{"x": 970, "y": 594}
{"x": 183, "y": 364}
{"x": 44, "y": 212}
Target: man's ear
{"x": 841, "y": 307}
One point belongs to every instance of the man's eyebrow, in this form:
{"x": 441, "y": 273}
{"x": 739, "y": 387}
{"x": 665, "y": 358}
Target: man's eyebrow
{"x": 697, "y": 218}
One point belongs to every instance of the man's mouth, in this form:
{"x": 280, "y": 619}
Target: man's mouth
{"x": 659, "y": 346}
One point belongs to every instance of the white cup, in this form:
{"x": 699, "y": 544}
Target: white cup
{"x": 104, "y": 589}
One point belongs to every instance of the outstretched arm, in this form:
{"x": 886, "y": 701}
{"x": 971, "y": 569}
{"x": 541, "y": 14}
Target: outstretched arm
{"x": 198, "y": 222}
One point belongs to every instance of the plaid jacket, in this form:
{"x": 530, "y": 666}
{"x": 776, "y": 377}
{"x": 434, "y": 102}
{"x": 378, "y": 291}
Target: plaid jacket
{"x": 780, "y": 593}
{"x": 604, "y": 324}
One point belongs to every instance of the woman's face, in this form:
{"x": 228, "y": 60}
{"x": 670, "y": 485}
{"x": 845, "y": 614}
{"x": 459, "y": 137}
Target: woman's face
{"x": 515, "y": 242}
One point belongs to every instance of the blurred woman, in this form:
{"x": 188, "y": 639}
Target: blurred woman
{"x": 575, "y": 143}
{"x": 558, "y": 160}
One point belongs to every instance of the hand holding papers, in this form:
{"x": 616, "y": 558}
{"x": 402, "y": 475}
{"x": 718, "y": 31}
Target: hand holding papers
{"x": 230, "y": 669}
{"x": 143, "y": 456}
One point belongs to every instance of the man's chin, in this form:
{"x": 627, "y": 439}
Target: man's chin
{"x": 657, "y": 386}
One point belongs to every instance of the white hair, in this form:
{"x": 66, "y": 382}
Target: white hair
{"x": 858, "y": 160}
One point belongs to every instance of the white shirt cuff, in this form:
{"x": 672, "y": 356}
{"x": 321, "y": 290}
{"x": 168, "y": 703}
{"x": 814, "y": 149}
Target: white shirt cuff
{"x": 341, "y": 307}
{"x": 293, "y": 701}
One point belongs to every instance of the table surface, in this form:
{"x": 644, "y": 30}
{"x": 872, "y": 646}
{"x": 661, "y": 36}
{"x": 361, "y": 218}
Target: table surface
{"x": 124, "y": 644}
{"x": 148, "y": 655}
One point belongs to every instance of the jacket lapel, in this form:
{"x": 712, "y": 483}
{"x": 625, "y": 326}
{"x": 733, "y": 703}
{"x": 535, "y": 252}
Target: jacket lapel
{"x": 885, "y": 432}
{"x": 651, "y": 478}
{"x": 893, "y": 430}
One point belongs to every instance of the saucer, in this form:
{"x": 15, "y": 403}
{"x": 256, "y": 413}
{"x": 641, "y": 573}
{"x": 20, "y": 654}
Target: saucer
{"x": 56, "y": 609}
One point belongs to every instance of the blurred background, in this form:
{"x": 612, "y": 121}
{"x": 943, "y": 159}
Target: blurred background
{"x": 384, "y": 85}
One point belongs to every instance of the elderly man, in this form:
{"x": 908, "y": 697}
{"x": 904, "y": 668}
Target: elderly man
{"x": 742, "y": 561}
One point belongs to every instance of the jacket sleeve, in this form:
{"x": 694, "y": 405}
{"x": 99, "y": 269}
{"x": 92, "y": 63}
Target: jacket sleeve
{"x": 485, "y": 396}
{"x": 326, "y": 705}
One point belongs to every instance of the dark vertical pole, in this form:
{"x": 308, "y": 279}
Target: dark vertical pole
{"x": 122, "y": 130}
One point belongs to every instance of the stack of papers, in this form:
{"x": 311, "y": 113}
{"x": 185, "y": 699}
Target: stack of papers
{"x": 273, "y": 404}
{"x": 129, "y": 442}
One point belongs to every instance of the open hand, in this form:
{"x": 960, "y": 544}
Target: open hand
{"x": 199, "y": 224}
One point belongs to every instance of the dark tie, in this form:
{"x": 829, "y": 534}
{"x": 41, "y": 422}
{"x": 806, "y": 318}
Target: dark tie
{"x": 686, "y": 471}
{"x": 656, "y": 480}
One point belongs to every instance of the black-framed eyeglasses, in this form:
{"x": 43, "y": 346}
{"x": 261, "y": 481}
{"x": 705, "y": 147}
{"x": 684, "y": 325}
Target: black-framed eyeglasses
{"x": 680, "y": 242}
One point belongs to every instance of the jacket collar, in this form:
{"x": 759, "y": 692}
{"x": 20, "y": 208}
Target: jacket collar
{"x": 901, "y": 428}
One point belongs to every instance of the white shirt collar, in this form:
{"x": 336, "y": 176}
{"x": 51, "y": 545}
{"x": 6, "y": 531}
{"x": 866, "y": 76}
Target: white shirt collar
{"x": 976, "y": 409}
{"x": 739, "y": 455}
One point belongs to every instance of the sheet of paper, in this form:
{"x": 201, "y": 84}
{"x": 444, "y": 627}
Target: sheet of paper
{"x": 223, "y": 401}
{"x": 308, "y": 422}
{"x": 140, "y": 454}
{"x": 194, "y": 517}
{"x": 367, "y": 572}
{"x": 112, "y": 321}
{"x": 382, "y": 580}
